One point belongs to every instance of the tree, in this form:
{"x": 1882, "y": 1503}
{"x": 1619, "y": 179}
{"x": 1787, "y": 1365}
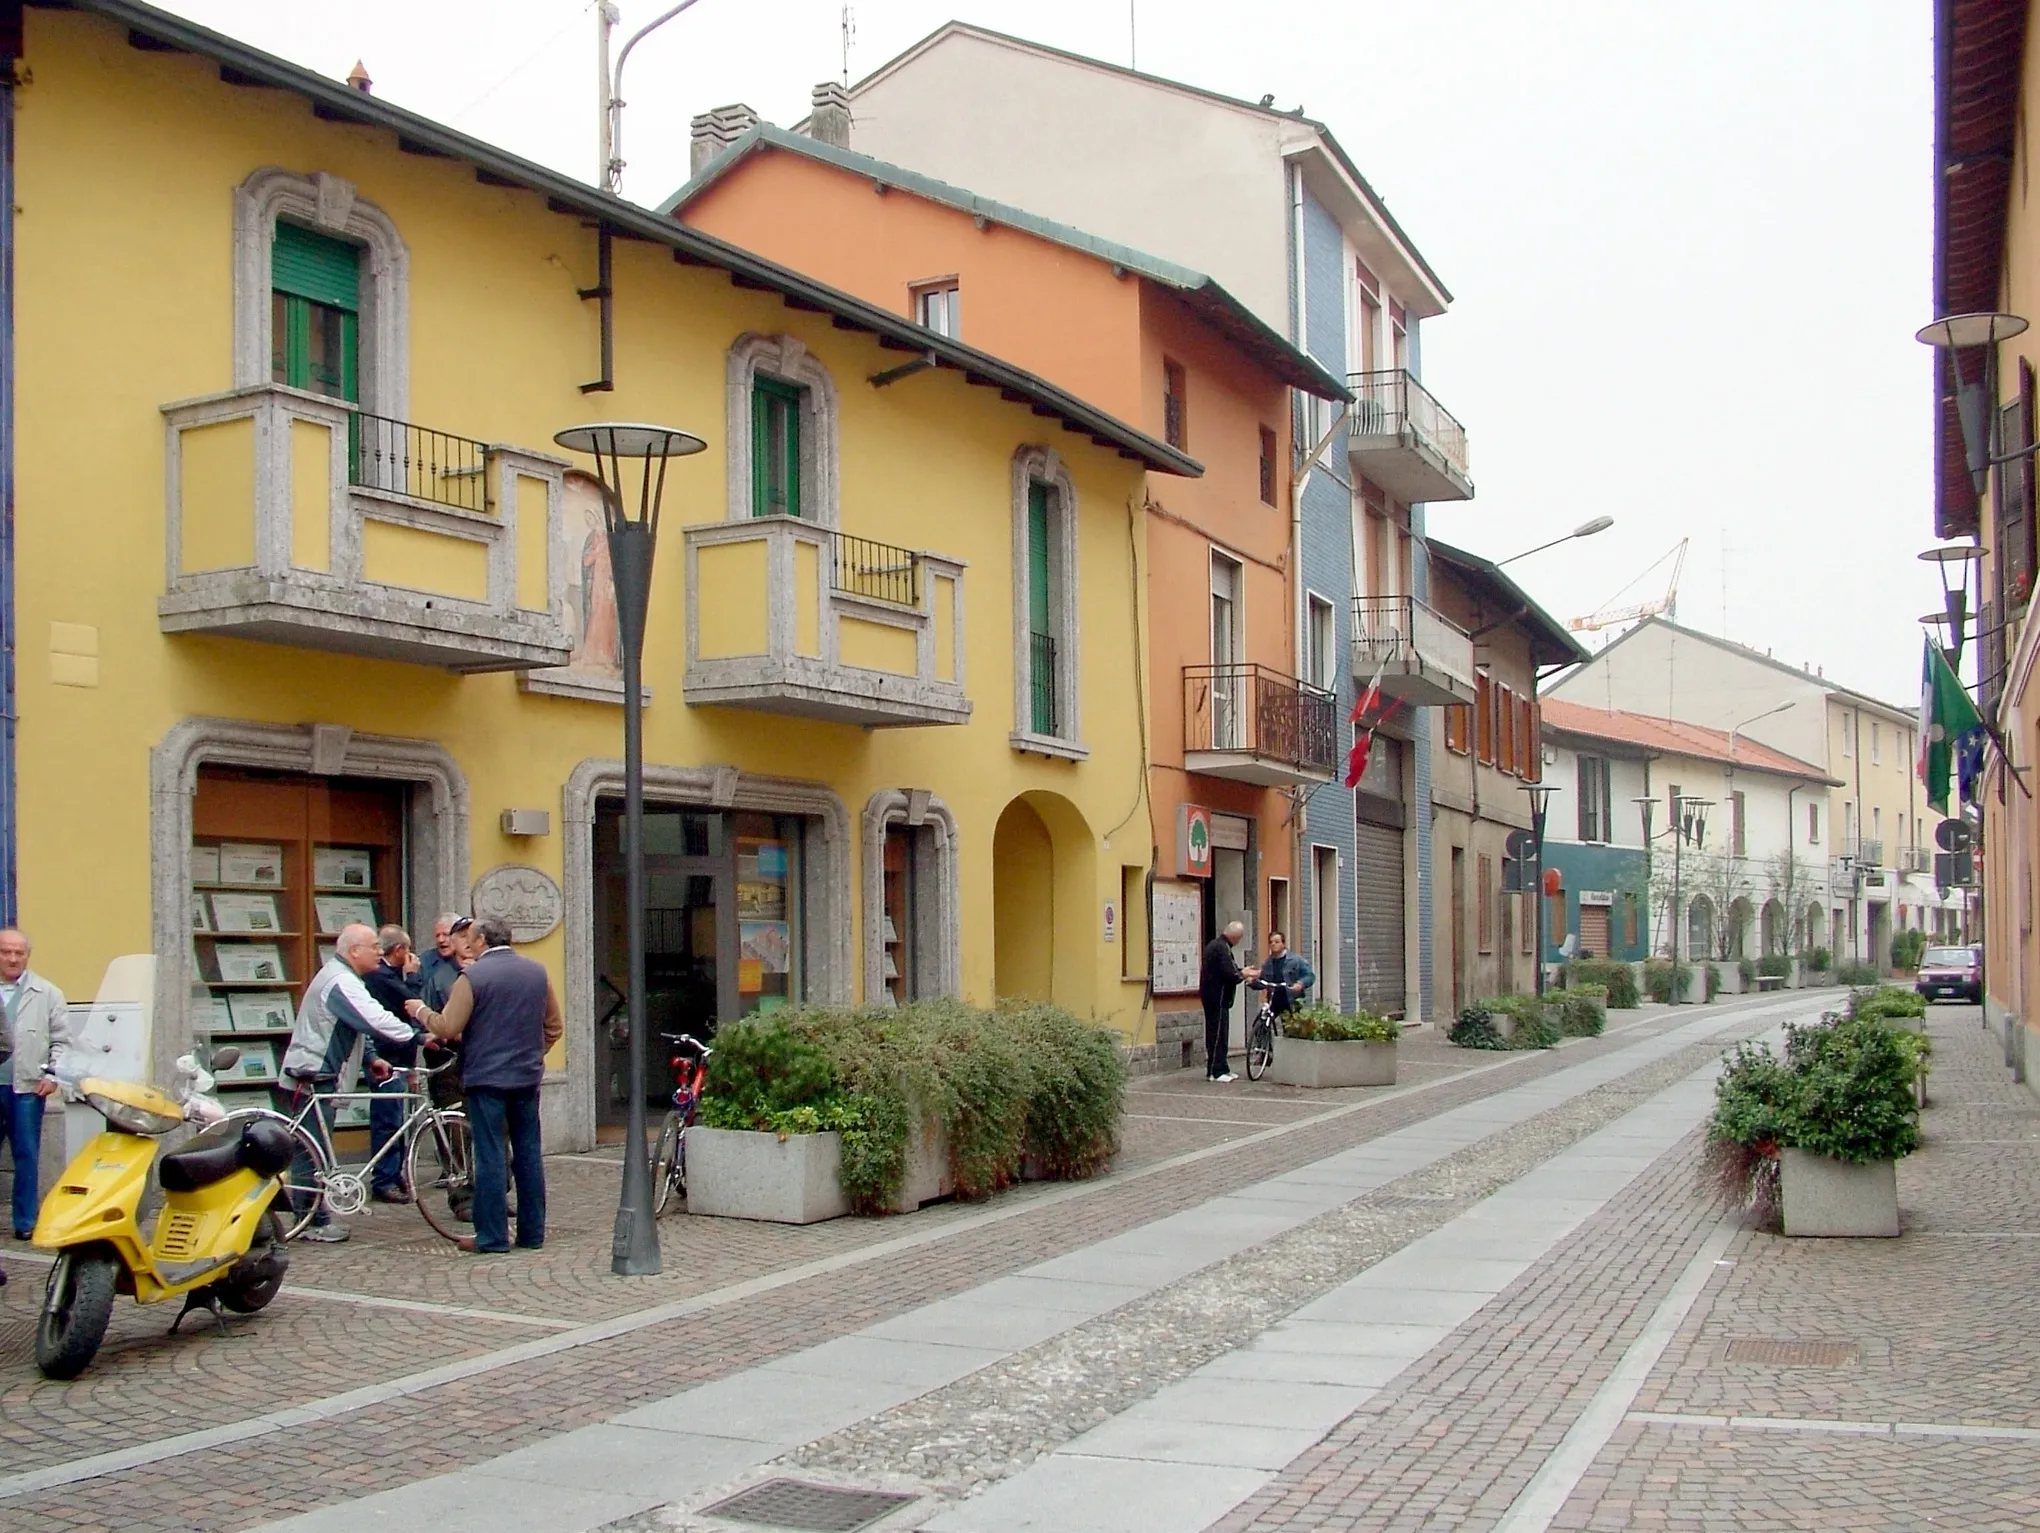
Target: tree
{"x": 1724, "y": 877}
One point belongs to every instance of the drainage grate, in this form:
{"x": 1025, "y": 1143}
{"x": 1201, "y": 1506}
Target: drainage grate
{"x": 812, "y": 1508}
{"x": 1792, "y": 1354}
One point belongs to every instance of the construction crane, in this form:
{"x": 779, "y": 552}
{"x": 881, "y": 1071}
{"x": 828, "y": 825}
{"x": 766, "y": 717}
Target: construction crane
{"x": 1608, "y": 614}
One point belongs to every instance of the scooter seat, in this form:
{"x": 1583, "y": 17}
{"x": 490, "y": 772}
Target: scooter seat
{"x": 262, "y": 1147}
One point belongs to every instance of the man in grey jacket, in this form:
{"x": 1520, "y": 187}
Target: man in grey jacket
{"x": 35, "y": 1026}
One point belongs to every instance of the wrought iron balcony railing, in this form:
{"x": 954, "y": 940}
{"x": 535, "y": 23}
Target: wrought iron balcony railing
{"x": 407, "y": 459}
{"x": 1404, "y": 439}
{"x": 877, "y": 571}
{"x": 1255, "y": 724}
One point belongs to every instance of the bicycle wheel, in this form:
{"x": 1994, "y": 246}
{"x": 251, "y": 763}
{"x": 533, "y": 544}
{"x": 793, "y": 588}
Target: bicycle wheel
{"x": 666, "y": 1163}
{"x": 293, "y": 1205}
{"x": 440, "y": 1161}
{"x": 1260, "y": 1046}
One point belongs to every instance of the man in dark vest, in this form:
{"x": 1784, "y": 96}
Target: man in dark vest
{"x": 505, "y": 1013}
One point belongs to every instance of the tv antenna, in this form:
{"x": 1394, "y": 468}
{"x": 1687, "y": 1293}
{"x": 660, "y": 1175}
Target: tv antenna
{"x": 849, "y": 32}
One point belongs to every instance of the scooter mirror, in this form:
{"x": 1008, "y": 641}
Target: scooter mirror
{"x": 223, "y": 1058}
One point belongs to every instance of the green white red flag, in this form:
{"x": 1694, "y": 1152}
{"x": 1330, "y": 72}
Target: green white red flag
{"x": 1951, "y": 731}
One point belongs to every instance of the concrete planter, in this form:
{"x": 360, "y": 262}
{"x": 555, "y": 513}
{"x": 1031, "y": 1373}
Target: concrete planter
{"x": 736, "y": 1174}
{"x": 1504, "y": 1024}
{"x": 1823, "y": 1196}
{"x": 1353, "y": 1062}
{"x": 927, "y": 1175}
{"x": 1727, "y": 977}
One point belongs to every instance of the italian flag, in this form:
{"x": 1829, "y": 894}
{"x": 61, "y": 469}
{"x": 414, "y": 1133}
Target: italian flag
{"x": 1951, "y": 730}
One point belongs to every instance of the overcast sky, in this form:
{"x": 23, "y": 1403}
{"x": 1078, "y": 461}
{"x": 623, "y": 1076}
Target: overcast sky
{"x": 1688, "y": 244}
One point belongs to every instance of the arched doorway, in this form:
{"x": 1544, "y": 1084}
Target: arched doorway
{"x": 1699, "y": 928}
{"x": 1816, "y": 927}
{"x": 1023, "y": 905}
{"x": 1735, "y": 933}
{"x": 1773, "y": 928}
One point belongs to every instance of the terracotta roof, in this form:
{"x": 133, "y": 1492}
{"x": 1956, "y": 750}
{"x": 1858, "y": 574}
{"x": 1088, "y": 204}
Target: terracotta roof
{"x": 1671, "y": 737}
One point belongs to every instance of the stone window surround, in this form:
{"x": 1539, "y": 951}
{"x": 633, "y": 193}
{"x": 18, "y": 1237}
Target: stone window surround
{"x": 1032, "y": 463}
{"x": 918, "y": 808}
{"x": 825, "y": 887}
{"x": 782, "y": 356}
{"x": 330, "y": 204}
{"x": 437, "y": 850}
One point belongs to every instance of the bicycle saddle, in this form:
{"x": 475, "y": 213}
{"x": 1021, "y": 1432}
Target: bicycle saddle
{"x": 262, "y": 1147}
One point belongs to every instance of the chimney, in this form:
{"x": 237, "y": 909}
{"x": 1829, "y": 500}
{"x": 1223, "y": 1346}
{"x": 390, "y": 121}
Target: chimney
{"x": 713, "y": 132}
{"x": 829, "y": 115}
{"x": 357, "y": 78}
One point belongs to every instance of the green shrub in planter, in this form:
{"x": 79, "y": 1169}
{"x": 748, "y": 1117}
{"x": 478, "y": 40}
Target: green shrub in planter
{"x": 1321, "y": 1024}
{"x": 1746, "y": 971}
{"x": 1819, "y": 959}
{"x": 760, "y": 1076}
{"x": 1774, "y": 966}
{"x": 1885, "y": 1002}
{"x": 1535, "y": 1028}
{"x": 1713, "y": 981}
{"x": 1618, "y": 979}
{"x": 1907, "y": 948}
{"x": 1658, "y": 978}
{"x": 1856, "y": 974}
{"x": 1475, "y": 1029}
{"x": 1076, "y": 1090}
{"x": 1582, "y": 1013}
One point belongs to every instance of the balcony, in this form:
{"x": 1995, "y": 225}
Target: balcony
{"x": 1404, "y": 440}
{"x": 1251, "y": 724}
{"x": 1863, "y": 853}
{"x": 296, "y": 519}
{"x": 1425, "y": 660}
{"x": 1916, "y": 859}
{"x": 787, "y": 616}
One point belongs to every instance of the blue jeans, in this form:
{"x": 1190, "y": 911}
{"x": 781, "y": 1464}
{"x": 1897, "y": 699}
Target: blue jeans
{"x": 21, "y": 1112}
{"x": 505, "y": 1127}
{"x": 385, "y": 1118}
{"x": 287, "y": 1096}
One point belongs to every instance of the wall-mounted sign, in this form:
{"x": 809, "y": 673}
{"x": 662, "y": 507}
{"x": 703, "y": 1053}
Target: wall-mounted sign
{"x": 522, "y": 897}
{"x": 1193, "y": 841}
{"x": 1597, "y": 896}
{"x": 1111, "y": 920}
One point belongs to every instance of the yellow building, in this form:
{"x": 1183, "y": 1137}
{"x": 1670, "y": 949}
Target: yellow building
{"x": 314, "y": 621}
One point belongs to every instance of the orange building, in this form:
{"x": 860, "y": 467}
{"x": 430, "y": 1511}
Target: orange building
{"x": 1233, "y": 735}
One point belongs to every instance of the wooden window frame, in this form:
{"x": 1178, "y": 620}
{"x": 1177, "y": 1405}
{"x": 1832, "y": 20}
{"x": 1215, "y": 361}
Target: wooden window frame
{"x": 1484, "y": 885}
{"x": 1506, "y": 758}
{"x": 1176, "y": 405}
{"x": 1458, "y": 722}
{"x": 770, "y": 395}
{"x": 1483, "y": 720}
{"x": 1270, "y": 488}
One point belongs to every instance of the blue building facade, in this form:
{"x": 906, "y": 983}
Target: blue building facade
{"x": 1613, "y": 878}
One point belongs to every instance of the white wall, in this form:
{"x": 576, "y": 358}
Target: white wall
{"x": 1626, "y": 782}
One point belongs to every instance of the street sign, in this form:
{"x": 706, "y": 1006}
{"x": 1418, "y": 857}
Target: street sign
{"x": 1521, "y": 846}
{"x": 1954, "y": 835}
{"x": 1954, "y": 870}
{"x": 1515, "y": 875}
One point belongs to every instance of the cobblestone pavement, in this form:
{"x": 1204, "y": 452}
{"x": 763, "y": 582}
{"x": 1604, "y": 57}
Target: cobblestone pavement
{"x": 628, "y": 1344}
{"x": 1925, "y": 1414}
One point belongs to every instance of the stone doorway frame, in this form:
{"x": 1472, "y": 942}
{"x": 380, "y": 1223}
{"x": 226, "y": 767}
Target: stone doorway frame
{"x": 939, "y": 973}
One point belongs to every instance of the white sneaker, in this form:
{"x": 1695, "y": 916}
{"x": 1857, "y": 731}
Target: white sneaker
{"x": 1228, "y": 1076}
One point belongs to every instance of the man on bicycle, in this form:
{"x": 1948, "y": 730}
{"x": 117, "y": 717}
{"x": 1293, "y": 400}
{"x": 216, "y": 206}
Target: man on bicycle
{"x": 1284, "y": 975}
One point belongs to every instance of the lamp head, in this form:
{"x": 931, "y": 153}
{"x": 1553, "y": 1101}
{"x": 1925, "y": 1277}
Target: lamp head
{"x": 1961, "y": 331}
{"x": 613, "y": 444}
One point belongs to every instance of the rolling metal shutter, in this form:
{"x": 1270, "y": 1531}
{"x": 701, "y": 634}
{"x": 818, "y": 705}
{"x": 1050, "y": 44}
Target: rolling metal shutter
{"x": 1594, "y": 932}
{"x": 1378, "y": 887}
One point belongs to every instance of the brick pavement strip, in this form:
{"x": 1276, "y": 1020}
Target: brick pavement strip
{"x": 477, "y": 1417}
{"x": 1459, "y": 1437}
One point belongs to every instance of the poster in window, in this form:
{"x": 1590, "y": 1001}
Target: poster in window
{"x": 218, "y": 1017}
{"x": 338, "y": 910}
{"x": 205, "y": 864}
{"x": 250, "y": 963}
{"x": 342, "y": 867}
{"x": 262, "y": 1011}
{"x": 772, "y": 860}
{"x": 759, "y": 901}
{"x": 1178, "y": 927}
{"x": 255, "y": 1067}
{"x": 770, "y": 943}
{"x": 750, "y": 976}
{"x": 243, "y": 862}
{"x": 245, "y": 913}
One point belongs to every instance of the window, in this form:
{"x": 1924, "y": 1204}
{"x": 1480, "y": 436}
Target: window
{"x": 1848, "y": 733}
{"x": 1267, "y": 467}
{"x": 939, "y": 307}
{"x": 1876, "y": 823}
{"x": 1737, "y": 844}
{"x": 1876, "y": 743}
{"x": 1630, "y": 920}
{"x": 1175, "y": 406}
{"x": 1505, "y": 706}
{"x": 902, "y": 930}
{"x": 1133, "y": 923}
{"x": 315, "y": 313}
{"x": 1322, "y": 637}
{"x": 1483, "y": 720}
{"x": 1849, "y": 825}
{"x": 1226, "y": 681}
{"x": 1278, "y": 909}
{"x": 1045, "y": 603}
{"x": 776, "y": 410}
{"x": 1484, "y": 888}
{"x": 1594, "y": 805}
{"x": 1813, "y": 824}
{"x": 1457, "y": 724}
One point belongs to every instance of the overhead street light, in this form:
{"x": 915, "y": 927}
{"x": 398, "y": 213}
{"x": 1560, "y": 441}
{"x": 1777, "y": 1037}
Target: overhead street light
{"x": 624, "y": 451}
{"x": 1751, "y": 720}
{"x": 1976, "y": 399}
{"x": 1585, "y": 530}
{"x": 1954, "y": 561}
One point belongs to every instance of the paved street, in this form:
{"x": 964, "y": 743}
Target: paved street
{"x": 1488, "y": 1298}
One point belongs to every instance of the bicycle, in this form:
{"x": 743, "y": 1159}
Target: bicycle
{"x": 436, "y": 1145}
{"x": 1261, "y": 1040}
{"x": 669, "y": 1162}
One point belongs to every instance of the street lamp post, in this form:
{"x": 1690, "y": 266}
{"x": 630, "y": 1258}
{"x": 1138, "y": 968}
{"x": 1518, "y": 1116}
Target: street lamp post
{"x": 611, "y": 130}
{"x": 1585, "y": 529}
{"x": 1540, "y": 801}
{"x": 634, "y": 1250}
{"x": 1679, "y": 829}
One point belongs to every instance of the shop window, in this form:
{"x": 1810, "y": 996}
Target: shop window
{"x": 901, "y": 918}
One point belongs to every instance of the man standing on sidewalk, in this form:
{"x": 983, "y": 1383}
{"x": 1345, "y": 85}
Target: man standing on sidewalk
{"x": 36, "y": 1026}
{"x": 1217, "y": 984}
{"x": 392, "y": 982}
{"x": 505, "y": 1013}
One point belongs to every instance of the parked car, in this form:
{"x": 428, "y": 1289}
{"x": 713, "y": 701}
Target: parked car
{"x": 1952, "y": 974}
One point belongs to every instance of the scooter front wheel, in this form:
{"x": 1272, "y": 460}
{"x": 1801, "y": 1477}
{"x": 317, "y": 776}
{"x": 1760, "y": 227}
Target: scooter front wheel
{"x": 77, "y": 1306}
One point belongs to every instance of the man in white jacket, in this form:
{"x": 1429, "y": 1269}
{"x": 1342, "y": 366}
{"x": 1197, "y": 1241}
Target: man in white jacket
{"x": 336, "y": 1013}
{"x": 35, "y": 1026}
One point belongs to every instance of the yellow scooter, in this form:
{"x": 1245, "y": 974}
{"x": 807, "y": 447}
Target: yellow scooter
{"x": 215, "y": 1242}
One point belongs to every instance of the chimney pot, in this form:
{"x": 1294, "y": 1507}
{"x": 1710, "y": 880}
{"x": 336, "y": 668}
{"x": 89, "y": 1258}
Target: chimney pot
{"x": 829, "y": 115}
{"x": 358, "y": 79}
{"x": 714, "y": 131}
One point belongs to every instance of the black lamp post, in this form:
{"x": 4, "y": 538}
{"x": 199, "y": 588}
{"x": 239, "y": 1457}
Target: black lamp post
{"x": 1540, "y": 801}
{"x": 634, "y": 1251}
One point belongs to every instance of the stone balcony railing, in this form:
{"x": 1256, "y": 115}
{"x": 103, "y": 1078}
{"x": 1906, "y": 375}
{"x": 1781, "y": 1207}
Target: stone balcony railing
{"x": 296, "y": 519}
{"x": 788, "y": 616}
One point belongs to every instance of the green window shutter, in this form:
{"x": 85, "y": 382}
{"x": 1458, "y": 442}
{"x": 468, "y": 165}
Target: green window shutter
{"x": 308, "y": 265}
{"x": 1041, "y": 659}
{"x": 776, "y": 408}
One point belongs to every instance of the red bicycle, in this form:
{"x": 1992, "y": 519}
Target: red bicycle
{"x": 669, "y": 1162}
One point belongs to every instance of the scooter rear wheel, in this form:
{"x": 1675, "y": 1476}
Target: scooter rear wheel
{"x": 77, "y": 1307}
{"x": 263, "y": 1269}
